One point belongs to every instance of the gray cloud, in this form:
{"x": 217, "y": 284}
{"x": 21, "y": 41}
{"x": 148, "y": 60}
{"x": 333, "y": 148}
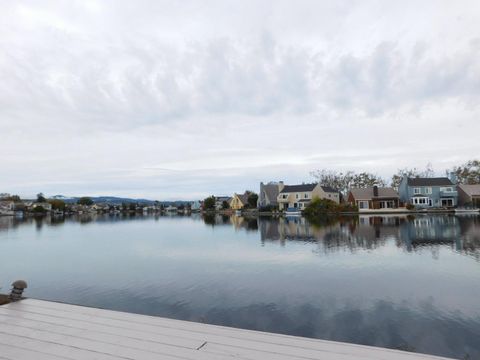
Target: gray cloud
{"x": 93, "y": 93}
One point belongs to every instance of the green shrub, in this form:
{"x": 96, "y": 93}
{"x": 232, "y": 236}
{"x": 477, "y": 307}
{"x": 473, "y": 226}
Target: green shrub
{"x": 39, "y": 210}
{"x": 267, "y": 208}
{"x": 409, "y": 206}
{"x": 325, "y": 206}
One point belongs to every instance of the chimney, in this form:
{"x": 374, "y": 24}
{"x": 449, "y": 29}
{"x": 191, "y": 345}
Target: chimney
{"x": 375, "y": 191}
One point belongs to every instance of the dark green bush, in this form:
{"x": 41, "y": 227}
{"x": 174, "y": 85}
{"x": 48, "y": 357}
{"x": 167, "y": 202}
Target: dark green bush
{"x": 39, "y": 210}
{"x": 325, "y": 206}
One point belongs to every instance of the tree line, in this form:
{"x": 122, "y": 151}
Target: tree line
{"x": 466, "y": 173}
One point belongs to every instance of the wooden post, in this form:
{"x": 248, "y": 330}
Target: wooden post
{"x": 17, "y": 290}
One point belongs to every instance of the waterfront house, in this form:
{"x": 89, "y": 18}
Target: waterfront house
{"x": 220, "y": 200}
{"x": 196, "y": 206}
{"x": 7, "y": 207}
{"x": 428, "y": 192}
{"x": 239, "y": 201}
{"x": 374, "y": 198}
{"x": 269, "y": 193}
{"x": 171, "y": 209}
{"x": 45, "y": 205}
{"x": 469, "y": 195}
{"x": 297, "y": 197}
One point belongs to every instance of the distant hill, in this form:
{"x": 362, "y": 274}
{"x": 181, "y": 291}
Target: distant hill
{"x": 114, "y": 200}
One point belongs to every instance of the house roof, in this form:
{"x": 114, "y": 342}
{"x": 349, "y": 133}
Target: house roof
{"x": 367, "y": 193}
{"x": 439, "y": 181}
{"x": 243, "y": 198}
{"x": 329, "y": 189}
{"x": 470, "y": 190}
{"x": 271, "y": 191}
{"x": 298, "y": 188}
{"x": 222, "y": 198}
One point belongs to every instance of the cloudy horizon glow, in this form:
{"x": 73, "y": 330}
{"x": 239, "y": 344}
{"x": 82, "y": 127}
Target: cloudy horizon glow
{"x": 180, "y": 100}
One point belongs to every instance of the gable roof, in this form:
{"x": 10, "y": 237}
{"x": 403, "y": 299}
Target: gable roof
{"x": 271, "y": 191}
{"x": 439, "y": 181}
{"x": 329, "y": 189}
{"x": 367, "y": 193}
{"x": 298, "y": 188}
{"x": 243, "y": 198}
{"x": 470, "y": 190}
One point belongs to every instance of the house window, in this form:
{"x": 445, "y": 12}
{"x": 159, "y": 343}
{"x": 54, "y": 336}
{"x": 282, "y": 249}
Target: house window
{"x": 417, "y": 191}
{"x": 363, "y": 204}
{"x": 305, "y": 196}
{"x": 420, "y": 201}
{"x": 447, "y": 202}
{"x": 284, "y": 196}
{"x": 296, "y": 196}
{"x": 428, "y": 190}
{"x": 387, "y": 204}
{"x": 446, "y": 189}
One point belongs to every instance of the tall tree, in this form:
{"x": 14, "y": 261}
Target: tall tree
{"x": 340, "y": 181}
{"x": 344, "y": 181}
{"x": 252, "y": 199}
{"x": 209, "y": 203}
{"x": 41, "y": 198}
{"x": 366, "y": 179}
{"x": 57, "y": 204}
{"x": 225, "y": 205}
{"x": 85, "y": 200}
{"x": 411, "y": 172}
{"x": 467, "y": 173}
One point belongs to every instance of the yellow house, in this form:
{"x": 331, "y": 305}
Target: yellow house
{"x": 297, "y": 197}
{"x": 239, "y": 201}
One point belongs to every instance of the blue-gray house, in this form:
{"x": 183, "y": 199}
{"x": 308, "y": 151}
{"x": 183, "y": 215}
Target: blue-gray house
{"x": 428, "y": 192}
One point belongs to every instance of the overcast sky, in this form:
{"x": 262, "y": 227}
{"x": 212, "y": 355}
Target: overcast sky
{"x": 179, "y": 100}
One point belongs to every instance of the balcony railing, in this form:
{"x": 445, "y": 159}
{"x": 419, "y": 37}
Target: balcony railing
{"x": 453, "y": 193}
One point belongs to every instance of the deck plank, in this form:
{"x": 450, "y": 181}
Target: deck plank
{"x": 292, "y": 349}
{"x": 30, "y": 347}
{"x": 111, "y": 334}
{"x": 111, "y": 344}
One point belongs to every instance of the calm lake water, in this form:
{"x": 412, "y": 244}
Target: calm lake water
{"x": 398, "y": 282}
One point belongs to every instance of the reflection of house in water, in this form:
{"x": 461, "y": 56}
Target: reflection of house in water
{"x": 430, "y": 230}
{"x": 470, "y": 239}
{"x": 379, "y": 226}
{"x": 296, "y": 228}
{"x": 269, "y": 228}
{"x": 244, "y": 222}
{"x": 372, "y": 231}
{"x": 216, "y": 219}
{"x": 290, "y": 228}
{"x": 331, "y": 235}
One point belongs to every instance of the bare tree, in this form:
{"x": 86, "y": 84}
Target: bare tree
{"x": 467, "y": 173}
{"x": 344, "y": 181}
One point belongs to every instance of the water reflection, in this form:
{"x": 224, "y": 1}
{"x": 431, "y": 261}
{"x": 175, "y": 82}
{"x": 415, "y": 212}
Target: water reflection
{"x": 461, "y": 233}
{"x": 370, "y": 232}
{"x": 394, "y": 281}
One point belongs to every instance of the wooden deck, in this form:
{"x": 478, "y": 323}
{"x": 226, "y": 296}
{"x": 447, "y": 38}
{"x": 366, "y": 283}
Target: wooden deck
{"x": 38, "y": 330}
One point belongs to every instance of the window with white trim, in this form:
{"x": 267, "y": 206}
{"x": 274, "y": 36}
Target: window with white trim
{"x": 446, "y": 189}
{"x": 428, "y": 190}
{"x": 417, "y": 191}
{"x": 363, "y": 204}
